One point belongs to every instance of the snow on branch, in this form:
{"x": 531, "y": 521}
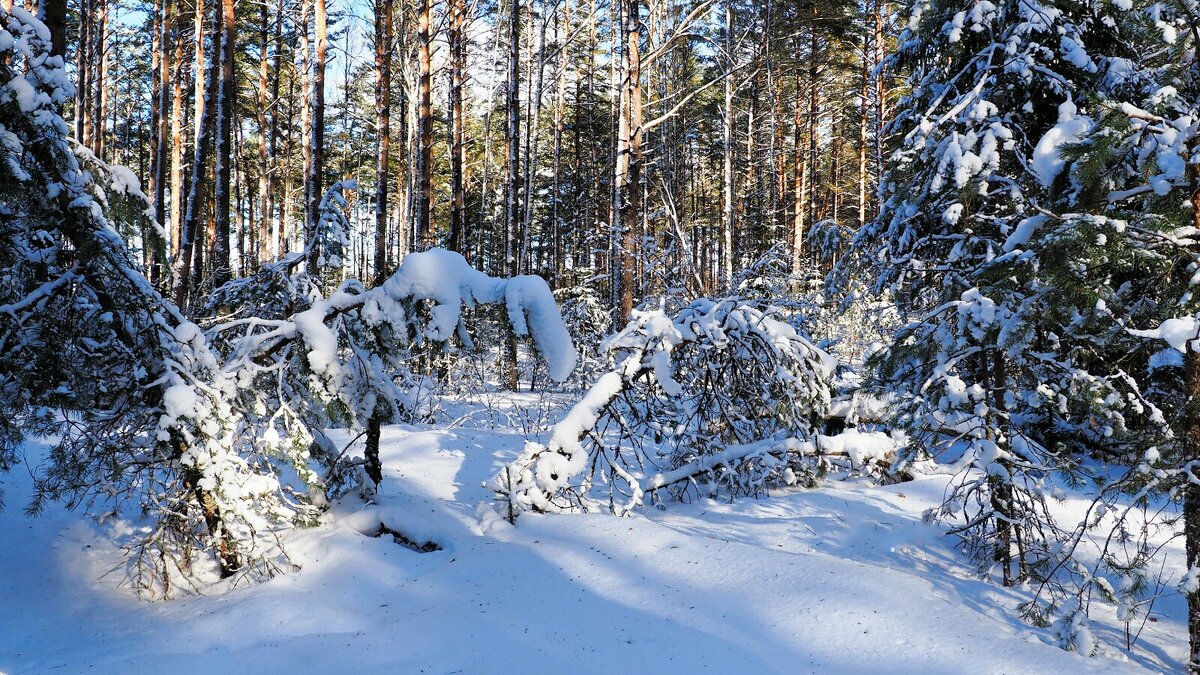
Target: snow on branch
{"x": 720, "y": 396}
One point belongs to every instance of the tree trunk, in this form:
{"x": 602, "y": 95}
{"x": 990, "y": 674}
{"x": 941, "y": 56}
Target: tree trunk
{"x": 629, "y": 156}
{"x": 206, "y": 84}
{"x": 383, "y": 122}
{"x": 314, "y": 188}
{"x": 801, "y": 175}
{"x": 162, "y": 130}
{"x": 100, "y": 119}
{"x": 177, "y": 129}
{"x": 1191, "y": 447}
{"x": 226, "y": 102}
{"x": 532, "y": 137}
{"x": 556, "y": 166}
{"x": 880, "y": 84}
{"x": 863, "y": 115}
{"x": 814, "y": 101}
{"x": 458, "y": 68}
{"x": 424, "y": 225}
{"x": 373, "y": 467}
{"x": 1191, "y": 496}
{"x": 511, "y": 181}
{"x": 83, "y": 70}
{"x": 53, "y": 13}
{"x": 280, "y": 198}
{"x": 265, "y": 210}
{"x": 728, "y": 213}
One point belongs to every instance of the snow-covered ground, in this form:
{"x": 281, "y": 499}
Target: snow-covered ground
{"x": 841, "y": 579}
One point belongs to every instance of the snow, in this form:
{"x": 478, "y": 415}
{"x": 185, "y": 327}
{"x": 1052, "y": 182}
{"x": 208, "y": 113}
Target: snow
{"x": 1024, "y": 231}
{"x": 860, "y": 446}
{"x": 1175, "y": 332}
{"x": 567, "y": 457}
{"x": 1047, "y": 161}
{"x": 533, "y": 311}
{"x": 445, "y": 278}
{"x": 321, "y": 341}
{"x": 180, "y": 400}
{"x": 844, "y": 579}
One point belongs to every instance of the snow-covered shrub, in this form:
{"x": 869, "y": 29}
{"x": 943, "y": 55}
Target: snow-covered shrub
{"x": 719, "y": 397}
{"x": 842, "y": 315}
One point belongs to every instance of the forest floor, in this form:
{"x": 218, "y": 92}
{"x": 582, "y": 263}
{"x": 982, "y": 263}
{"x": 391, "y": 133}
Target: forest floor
{"x": 841, "y": 579}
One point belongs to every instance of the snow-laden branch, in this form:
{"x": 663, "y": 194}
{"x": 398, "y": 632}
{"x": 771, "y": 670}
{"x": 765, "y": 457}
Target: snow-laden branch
{"x": 689, "y": 394}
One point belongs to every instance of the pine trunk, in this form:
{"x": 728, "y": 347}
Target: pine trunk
{"x": 630, "y": 155}
{"x": 53, "y": 13}
{"x": 511, "y": 181}
{"x": 801, "y": 177}
{"x": 83, "y": 70}
{"x": 880, "y": 90}
{"x": 383, "y": 126}
{"x": 863, "y": 114}
{"x": 226, "y": 102}
{"x": 187, "y": 265}
{"x": 814, "y": 101}
{"x": 424, "y": 225}
{"x": 1191, "y": 498}
{"x": 1191, "y": 450}
{"x": 265, "y": 211}
{"x": 458, "y": 68}
{"x": 177, "y": 129}
{"x": 728, "y": 211}
{"x": 316, "y": 168}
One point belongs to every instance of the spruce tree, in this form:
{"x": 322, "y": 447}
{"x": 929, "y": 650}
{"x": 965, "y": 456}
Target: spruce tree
{"x": 990, "y": 372}
{"x": 1134, "y": 174}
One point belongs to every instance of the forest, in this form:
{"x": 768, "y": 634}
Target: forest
{"x": 651, "y": 259}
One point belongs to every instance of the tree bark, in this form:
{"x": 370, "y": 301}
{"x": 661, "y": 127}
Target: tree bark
{"x": 162, "y": 130}
{"x": 425, "y": 126}
{"x": 512, "y": 107}
{"x": 206, "y": 85}
{"x": 801, "y": 175}
{"x": 629, "y": 154}
{"x": 265, "y": 210}
{"x": 880, "y": 84}
{"x": 279, "y": 197}
{"x": 314, "y": 188}
{"x": 1191, "y": 445}
{"x": 814, "y": 100}
{"x": 83, "y": 70}
{"x": 177, "y": 130}
{"x": 226, "y": 102}
{"x": 1191, "y": 496}
{"x": 458, "y": 67}
{"x": 383, "y": 122}
{"x": 863, "y": 115}
{"x": 728, "y": 213}
{"x": 532, "y": 137}
{"x": 100, "y": 118}
{"x": 556, "y": 167}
